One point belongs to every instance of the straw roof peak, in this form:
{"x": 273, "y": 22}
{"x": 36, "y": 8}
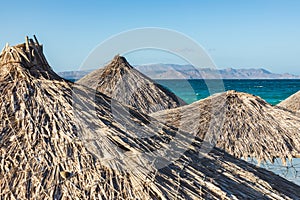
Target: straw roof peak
{"x": 27, "y": 57}
{"x": 119, "y": 62}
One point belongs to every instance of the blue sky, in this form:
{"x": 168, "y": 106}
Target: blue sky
{"x": 238, "y": 34}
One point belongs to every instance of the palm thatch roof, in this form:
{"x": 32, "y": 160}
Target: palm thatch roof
{"x": 250, "y": 126}
{"x": 292, "y": 103}
{"x": 41, "y": 153}
{"x": 53, "y": 147}
{"x": 122, "y": 82}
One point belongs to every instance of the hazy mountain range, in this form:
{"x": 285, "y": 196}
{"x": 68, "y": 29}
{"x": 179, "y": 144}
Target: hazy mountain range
{"x": 175, "y": 71}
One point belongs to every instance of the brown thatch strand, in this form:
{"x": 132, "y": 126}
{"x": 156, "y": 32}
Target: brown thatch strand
{"x": 251, "y": 127}
{"x": 292, "y": 103}
{"x": 122, "y": 82}
{"x": 52, "y": 147}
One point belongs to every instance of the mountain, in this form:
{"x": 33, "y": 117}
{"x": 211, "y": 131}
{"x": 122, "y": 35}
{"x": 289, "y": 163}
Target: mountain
{"x": 174, "y": 71}
{"x": 292, "y": 103}
{"x": 58, "y": 143}
{"x": 254, "y": 74}
{"x": 74, "y": 75}
{"x": 251, "y": 127}
{"x": 122, "y": 82}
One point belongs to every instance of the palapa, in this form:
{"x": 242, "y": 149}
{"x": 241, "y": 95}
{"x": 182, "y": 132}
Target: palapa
{"x": 122, "y": 82}
{"x": 249, "y": 126}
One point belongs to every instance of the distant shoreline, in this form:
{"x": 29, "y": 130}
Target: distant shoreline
{"x": 188, "y": 72}
{"x": 229, "y": 79}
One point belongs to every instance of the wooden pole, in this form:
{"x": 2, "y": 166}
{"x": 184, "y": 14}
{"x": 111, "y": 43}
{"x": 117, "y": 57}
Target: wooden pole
{"x": 36, "y": 41}
{"x": 27, "y": 47}
{"x": 27, "y": 43}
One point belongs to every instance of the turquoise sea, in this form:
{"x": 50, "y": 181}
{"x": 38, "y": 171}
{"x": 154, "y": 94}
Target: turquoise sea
{"x": 273, "y": 91}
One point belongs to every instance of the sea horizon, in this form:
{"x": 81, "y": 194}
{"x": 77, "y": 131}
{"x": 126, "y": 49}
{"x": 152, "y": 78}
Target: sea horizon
{"x": 271, "y": 90}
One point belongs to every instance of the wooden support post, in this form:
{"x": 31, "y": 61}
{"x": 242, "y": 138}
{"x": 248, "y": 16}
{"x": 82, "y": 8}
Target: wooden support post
{"x": 36, "y": 41}
{"x": 27, "y": 48}
{"x": 27, "y": 44}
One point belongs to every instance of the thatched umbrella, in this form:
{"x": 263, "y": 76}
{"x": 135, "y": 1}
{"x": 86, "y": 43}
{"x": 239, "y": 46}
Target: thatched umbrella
{"x": 122, "y": 82}
{"x": 41, "y": 152}
{"x": 250, "y": 126}
{"x": 51, "y": 146}
{"x": 291, "y": 103}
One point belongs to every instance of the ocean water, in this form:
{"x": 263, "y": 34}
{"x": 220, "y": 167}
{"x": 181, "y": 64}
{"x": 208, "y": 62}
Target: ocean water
{"x": 273, "y": 91}
{"x": 290, "y": 171}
